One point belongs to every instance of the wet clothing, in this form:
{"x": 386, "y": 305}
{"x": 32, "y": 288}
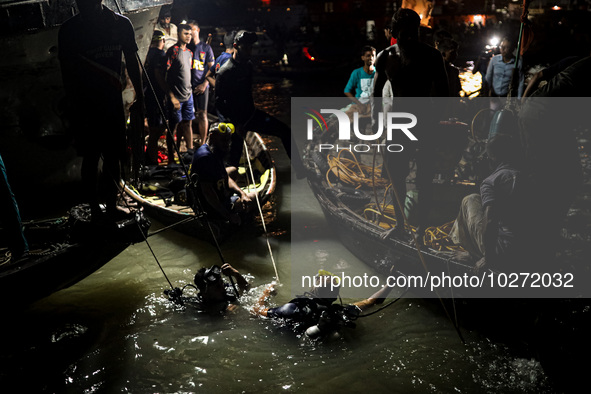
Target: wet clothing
{"x": 304, "y": 312}
{"x": 218, "y": 307}
{"x": 10, "y": 218}
{"x": 498, "y": 76}
{"x": 155, "y": 61}
{"x": 179, "y": 72}
{"x": 360, "y": 84}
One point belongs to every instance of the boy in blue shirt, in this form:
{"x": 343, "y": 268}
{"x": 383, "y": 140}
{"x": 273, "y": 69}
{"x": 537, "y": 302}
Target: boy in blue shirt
{"x": 360, "y": 83}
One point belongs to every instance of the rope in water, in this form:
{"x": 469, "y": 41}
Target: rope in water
{"x": 260, "y": 210}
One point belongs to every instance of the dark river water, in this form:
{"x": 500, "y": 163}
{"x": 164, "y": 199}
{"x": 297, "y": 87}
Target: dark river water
{"x": 115, "y": 332}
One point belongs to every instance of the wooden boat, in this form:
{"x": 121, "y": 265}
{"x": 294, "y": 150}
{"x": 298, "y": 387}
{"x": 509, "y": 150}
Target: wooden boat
{"x": 356, "y": 208}
{"x": 161, "y": 190}
{"x": 64, "y": 251}
{"x": 356, "y": 201}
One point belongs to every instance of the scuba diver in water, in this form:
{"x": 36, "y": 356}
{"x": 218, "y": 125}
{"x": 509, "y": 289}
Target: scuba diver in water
{"x": 215, "y": 295}
{"x": 316, "y": 312}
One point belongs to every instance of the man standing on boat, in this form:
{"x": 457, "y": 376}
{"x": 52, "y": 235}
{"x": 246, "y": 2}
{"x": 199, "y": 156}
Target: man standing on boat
{"x": 234, "y": 102}
{"x": 155, "y": 71}
{"x": 202, "y": 62}
{"x": 181, "y": 110}
{"x": 91, "y": 45}
{"x": 414, "y": 69}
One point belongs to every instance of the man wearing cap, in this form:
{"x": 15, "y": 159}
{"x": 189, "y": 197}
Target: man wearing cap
{"x": 202, "y": 62}
{"x": 234, "y": 102}
{"x": 155, "y": 71}
{"x": 169, "y": 30}
{"x": 218, "y": 192}
{"x": 91, "y": 45}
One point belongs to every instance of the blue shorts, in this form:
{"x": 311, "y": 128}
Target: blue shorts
{"x": 187, "y": 112}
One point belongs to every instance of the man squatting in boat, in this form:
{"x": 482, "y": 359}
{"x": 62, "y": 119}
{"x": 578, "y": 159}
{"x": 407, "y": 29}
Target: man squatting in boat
{"x": 90, "y": 47}
{"x": 234, "y": 102}
{"x": 493, "y": 226}
{"x": 216, "y": 192}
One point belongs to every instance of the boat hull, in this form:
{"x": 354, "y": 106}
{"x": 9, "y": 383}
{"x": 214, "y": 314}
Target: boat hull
{"x": 64, "y": 251}
{"x": 175, "y": 208}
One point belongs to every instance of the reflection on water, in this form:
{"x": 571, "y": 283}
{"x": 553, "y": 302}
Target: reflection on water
{"x": 116, "y": 332}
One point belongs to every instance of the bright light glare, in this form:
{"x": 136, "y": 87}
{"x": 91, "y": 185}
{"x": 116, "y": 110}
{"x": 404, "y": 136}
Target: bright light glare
{"x": 494, "y": 41}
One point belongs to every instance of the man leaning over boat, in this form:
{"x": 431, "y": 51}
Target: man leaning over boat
{"x": 215, "y": 191}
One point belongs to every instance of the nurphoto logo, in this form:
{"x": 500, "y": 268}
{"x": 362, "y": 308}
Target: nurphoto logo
{"x": 395, "y": 122}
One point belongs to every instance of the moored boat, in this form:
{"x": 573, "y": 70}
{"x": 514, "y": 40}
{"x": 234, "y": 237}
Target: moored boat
{"x": 64, "y": 251}
{"x": 161, "y": 190}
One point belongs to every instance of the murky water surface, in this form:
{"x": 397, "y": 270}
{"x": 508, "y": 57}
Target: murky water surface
{"x": 116, "y": 332}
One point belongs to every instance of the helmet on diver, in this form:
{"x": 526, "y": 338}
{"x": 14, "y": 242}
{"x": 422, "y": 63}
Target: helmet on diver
{"x": 326, "y": 287}
{"x": 207, "y": 276}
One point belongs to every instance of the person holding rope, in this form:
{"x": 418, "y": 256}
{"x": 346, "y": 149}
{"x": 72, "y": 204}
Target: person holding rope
{"x": 316, "y": 312}
{"x": 91, "y": 45}
{"x": 218, "y": 193}
{"x": 216, "y": 295}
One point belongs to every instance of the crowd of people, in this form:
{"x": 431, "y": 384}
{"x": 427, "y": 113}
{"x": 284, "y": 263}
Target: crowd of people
{"x": 500, "y": 225}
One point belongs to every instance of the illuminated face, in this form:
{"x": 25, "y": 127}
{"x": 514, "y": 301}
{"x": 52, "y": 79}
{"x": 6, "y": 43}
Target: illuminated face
{"x": 185, "y": 36}
{"x": 165, "y": 21}
{"x": 369, "y": 58}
